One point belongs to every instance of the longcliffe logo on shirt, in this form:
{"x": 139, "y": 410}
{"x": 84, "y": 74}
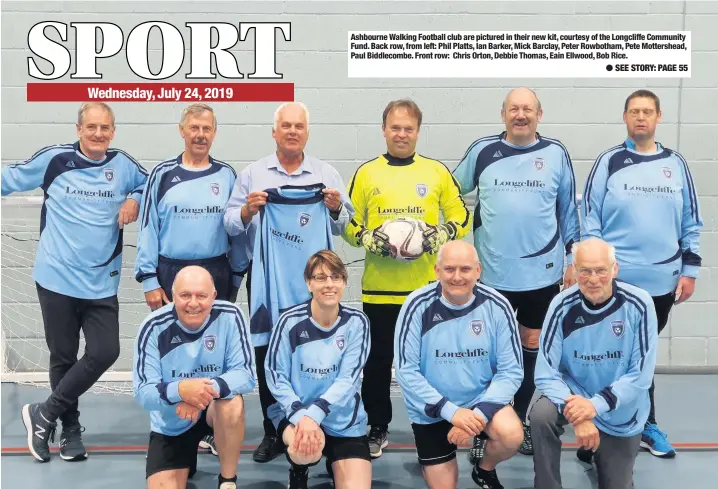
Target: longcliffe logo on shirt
{"x": 309, "y": 372}
{"x": 286, "y": 236}
{"x": 519, "y": 184}
{"x": 598, "y": 357}
{"x": 109, "y": 194}
{"x": 210, "y": 209}
{"x": 202, "y": 369}
{"x": 658, "y": 189}
{"x": 476, "y": 352}
{"x": 412, "y": 209}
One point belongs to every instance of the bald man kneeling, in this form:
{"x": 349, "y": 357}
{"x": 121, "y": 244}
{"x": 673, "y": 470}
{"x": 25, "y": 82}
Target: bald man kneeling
{"x": 458, "y": 362}
{"x": 193, "y": 361}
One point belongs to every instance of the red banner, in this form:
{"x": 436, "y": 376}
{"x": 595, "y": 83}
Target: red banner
{"x": 160, "y": 92}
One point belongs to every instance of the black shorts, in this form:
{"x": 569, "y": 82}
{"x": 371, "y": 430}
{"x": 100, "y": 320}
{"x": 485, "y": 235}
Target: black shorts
{"x": 531, "y": 306}
{"x": 176, "y": 452}
{"x": 663, "y": 305}
{"x": 338, "y": 447}
{"x": 432, "y": 446}
{"x": 218, "y": 267}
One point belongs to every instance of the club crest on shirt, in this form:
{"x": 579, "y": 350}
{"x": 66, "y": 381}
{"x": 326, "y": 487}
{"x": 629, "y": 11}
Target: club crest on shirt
{"x": 304, "y": 219}
{"x": 421, "y": 189}
{"x": 215, "y": 188}
{"x": 339, "y": 341}
{"x": 538, "y": 163}
{"x": 476, "y": 327}
{"x": 210, "y": 342}
{"x": 617, "y": 328}
{"x": 667, "y": 172}
{"x": 109, "y": 174}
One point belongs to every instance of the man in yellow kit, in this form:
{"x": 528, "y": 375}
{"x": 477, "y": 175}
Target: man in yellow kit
{"x": 399, "y": 183}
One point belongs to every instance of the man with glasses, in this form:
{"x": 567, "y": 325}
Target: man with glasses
{"x": 640, "y": 198}
{"x": 597, "y": 355}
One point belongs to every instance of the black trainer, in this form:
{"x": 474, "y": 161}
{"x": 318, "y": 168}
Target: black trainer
{"x": 270, "y": 448}
{"x": 39, "y": 431}
{"x": 527, "y": 446}
{"x": 298, "y": 478}
{"x": 378, "y": 440}
{"x": 584, "y": 455}
{"x": 208, "y": 442}
{"x": 476, "y": 453}
{"x": 71, "y": 447}
{"x": 486, "y": 479}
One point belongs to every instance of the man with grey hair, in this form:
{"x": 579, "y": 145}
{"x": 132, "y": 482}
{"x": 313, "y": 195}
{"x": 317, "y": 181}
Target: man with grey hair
{"x": 458, "y": 363}
{"x": 91, "y": 192}
{"x": 289, "y": 165}
{"x": 525, "y": 222}
{"x": 597, "y": 356}
{"x": 182, "y": 211}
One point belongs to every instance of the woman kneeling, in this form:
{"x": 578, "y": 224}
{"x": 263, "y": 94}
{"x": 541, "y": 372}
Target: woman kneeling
{"x": 316, "y": 353}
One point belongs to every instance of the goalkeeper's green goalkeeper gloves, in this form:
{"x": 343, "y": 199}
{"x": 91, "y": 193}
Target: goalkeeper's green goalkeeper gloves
{"x": 436, "y": 236}
{"x": 375, "y": 242}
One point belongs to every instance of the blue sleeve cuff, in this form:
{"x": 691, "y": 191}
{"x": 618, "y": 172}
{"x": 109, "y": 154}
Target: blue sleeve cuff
{"x": 136, "y": 196}
{"x": 316, "y": 413}
{"x": 690, "y": 271}
{"x": 294, "y": 419}
{"x": 150, "y": 284}
{"x": 480, "y": 413}
{"x": 448, "y": 410}
{"x": 173, "y": 392}
{"x": 600, "y": 404}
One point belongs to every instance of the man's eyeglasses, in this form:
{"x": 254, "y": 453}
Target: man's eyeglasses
{"x": 588, "y": 272}
{"x": 321, "y": 278}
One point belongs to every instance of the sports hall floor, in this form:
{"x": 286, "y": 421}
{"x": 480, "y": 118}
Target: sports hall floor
{"x": 117, "y": 435}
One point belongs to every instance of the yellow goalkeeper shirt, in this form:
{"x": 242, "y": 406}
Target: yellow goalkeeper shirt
{"x": 386, "y": 188}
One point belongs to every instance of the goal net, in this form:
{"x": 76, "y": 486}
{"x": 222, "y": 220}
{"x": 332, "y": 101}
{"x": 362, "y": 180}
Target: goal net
{"x": 24, "y": 351}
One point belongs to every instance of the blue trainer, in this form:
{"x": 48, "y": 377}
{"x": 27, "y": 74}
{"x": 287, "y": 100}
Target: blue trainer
{"x": 656, "y": 441}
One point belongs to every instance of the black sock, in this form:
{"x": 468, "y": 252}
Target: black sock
{"x": 223, "y": 479}
{"x": 523, "y": 396}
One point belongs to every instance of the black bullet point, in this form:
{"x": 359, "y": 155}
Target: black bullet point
{"x": 609, "y": 68}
